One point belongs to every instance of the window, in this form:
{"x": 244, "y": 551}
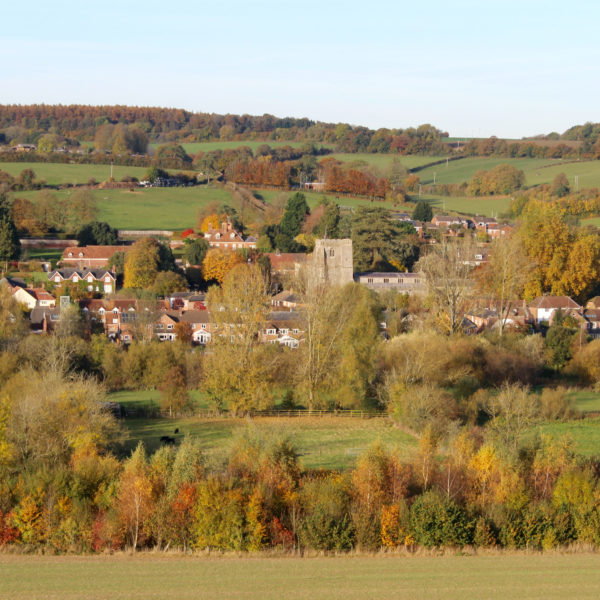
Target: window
{"x": 270, "y": 332}
{"x": 159, "y": 326}
{"x": 369, "y": 280}
{"x": 386, "y": 280}
{"x": 331, "y": 252}
{"x": 232, "y": 236}
{"x": 295, "y": 331}
{"x": 70, "y": 254}
{"x": 170, "y": 326}
{"x": 284, "y": 331}
{"x": 203, "y": 325}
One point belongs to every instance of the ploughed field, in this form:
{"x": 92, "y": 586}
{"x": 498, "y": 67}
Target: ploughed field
{"x": 155, "y": 576}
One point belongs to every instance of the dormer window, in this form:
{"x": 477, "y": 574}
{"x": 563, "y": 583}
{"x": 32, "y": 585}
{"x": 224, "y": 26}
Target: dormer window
{"x": 218, "y": 236}
{"x": 70, "y": 254}
{"x": 232, "y": 235}
{"x": 81, "y": 255}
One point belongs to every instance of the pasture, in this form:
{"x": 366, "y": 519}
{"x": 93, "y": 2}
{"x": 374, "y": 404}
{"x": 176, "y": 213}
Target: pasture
{"x": 487, "y": 206}
{"x": 160, "y": 576}
{"x": 323, "y": 442}
{"x": 151, "y": 208}
{"x": 73, "y": 174}
{"x": 384, "y": 161}
{"x": 537, "y": 170}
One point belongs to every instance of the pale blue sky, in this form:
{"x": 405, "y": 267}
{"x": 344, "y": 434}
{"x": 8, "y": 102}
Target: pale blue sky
{"x": 510, "y": 68}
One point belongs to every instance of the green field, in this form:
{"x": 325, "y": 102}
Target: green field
{"x": 584, "y": 432}
{"x": 487, "y": 206}
{"x": 323, "y": 442}
{"x": 586, "y": 400}
{"x": 195, "y": 147}
{"x": 594, "y": 221}
{"x": 58, "y": 173}
{"x": 159, "y": 576}
{"x": 383, "y": 161}
{"x": 152, "y": 208}
{"x": 537, "y": 170}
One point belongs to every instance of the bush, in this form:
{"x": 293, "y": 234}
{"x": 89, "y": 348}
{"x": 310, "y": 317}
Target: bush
{"x": 438, "y": 521}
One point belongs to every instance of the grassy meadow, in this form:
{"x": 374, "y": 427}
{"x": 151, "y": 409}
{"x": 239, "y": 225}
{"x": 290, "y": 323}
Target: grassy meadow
{"x": 322, "y": 442}
{"x": 159, "y": 576}
{"x": 59, "y": 173}
{"x": 487, "y": 206}
{"x": 151, "y": 208}
{"x": 384, "y": 161}
{"x": 195, "y": 147}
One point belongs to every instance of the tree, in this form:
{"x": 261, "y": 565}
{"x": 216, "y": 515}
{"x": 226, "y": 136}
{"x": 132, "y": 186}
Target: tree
{"x": 293, "y": 217}
{"x": 9, "y": 239}
{"x": 218, "y": 263}
{"x": 167, "y": 282}
{"x": 117, "y": 263}
{"x": 422, "y": 211}
{"x": 376, "y": 240}
{"x": 447, "y": 272}
{"x": 174, "y": 394}
{"x": 503, "y": 277}
{"x": 195, "y": 251}
{"x": 560, "y": 186}
{"x": 97, "y": 233}
{"x": 240, "y": 370}
{"x": 81, "y": 208}
{"x": 142, "y": 263}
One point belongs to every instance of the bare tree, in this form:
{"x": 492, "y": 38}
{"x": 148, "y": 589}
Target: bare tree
{"x": 447, "y": 270}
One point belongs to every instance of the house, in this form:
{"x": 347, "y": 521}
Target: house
{"x": 43, "y": 319}
{"x": 448, "y": 220}
{"x": 497, "y": 230}
{"x": 90, "y": 257}
{"x": 283, "y": 328}
{"x": 592, "y": 303}
{"x": 164, "y": 326}
{"x": 227, "y": 238}
{"x": 285, "y": 299}
{"x": 13, "y": 283}
{"x": 286, "y": 263}
{"x": 408, "y": 283}
{"x": 482, "y": 223}
{"x": 33, "y": 298}
{"x": 98, "y": 279}
{"x": 543, "y": 307}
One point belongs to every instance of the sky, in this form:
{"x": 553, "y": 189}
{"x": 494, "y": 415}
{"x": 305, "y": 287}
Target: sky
{"x": 473, "y": 68}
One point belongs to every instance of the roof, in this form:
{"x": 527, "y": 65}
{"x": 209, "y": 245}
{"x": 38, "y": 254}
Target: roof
{"x": 554, "y": 302}
{"x": 195, "y": 316}
{"x": 92, "y": 252}
{"x": 377, "y": 275}
{"x": 13, "y": 282}
{"x": 92, "y": 304}
{"x": 67, "y": 272}
{"x": 40, "y": 295}
{"x": 285, "y": 260}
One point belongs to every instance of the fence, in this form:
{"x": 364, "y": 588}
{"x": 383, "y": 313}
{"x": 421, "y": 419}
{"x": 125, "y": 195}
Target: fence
{"x": 154, "y": 412}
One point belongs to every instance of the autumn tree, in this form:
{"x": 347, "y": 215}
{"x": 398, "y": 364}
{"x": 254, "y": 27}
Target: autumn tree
{"x": 503, "y": 277}
{"x": 239, "y": 370}
{"x": 174, "y": 395}
{"x": 447, "y": 269}
{"x": 167, "y": 282}
{"x": 144, "y": 260}
{"x": 218, "y": 262}
{"x": 560, "y": 185}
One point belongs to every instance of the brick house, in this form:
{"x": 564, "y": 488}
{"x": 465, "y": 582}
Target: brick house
{"x": 90, "y": 257}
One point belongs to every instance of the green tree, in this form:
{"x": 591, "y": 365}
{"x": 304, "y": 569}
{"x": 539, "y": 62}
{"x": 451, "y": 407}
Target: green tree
{"x": 9, "y": 239}
{"x": 422, "y": 211}
{"x": 195, "y": 251}
{"x": 97, "y": 233}
{"x": 293, "y": 217}
{"x": 167, "y": 282}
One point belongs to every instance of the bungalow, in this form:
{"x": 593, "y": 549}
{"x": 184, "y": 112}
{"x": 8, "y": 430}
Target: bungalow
{"x": 92, "y": 257}
{"x": 100, "y": 279}
{"x": 226, "y": 237}
{"x": 543, "y": 307}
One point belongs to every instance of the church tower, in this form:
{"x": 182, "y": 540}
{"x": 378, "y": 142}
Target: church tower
{"x": 332, "y": 261}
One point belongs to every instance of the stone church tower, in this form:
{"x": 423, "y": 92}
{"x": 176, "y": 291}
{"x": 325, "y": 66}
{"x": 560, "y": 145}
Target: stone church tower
{"x": 332, "y": 263}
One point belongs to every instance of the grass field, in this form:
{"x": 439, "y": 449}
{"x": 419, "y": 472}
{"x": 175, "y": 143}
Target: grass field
{"x": 537, "y": 170}
{"x": 594, "y": 221}
{"x": 584, "y": 432}
{"x": 383, "y": 161}
{"x": 195, "y": 147}
{"x": 314, "y": 198}
{"x": 156, "y": 576}
{"x": 586, "y": 400}
{"x": 152, "y": 208}
{"x": 487, "y": 206}
{"x": 323, "y": 442}
{"x": 58, "y": 173}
